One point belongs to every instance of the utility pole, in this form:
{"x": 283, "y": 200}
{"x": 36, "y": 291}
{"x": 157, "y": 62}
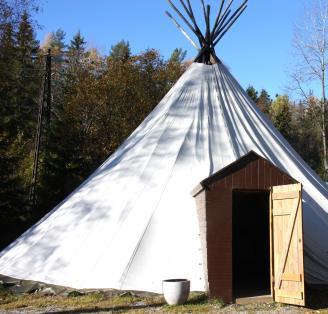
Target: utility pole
{"x": 48, "y": 109}
{"x": 48, "y": 74}
{"x": 45, "y": 98}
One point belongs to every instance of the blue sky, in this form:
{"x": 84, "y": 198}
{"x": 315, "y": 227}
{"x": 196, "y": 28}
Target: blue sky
{"x": 258, "y": 50}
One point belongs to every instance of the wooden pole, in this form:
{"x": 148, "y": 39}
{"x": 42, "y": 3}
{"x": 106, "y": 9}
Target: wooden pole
{"x": 48, "y": 107}
{"x": 226, "y": 12}
{"x": 201, "y": 51}
{"x": 218, "y": 18}
{"x": 190, "y": 13}
{"x": 181, "y": 16}
{"x": 45, "y": 97}
{"x": 224, "y": 17}
{"x": 204, "y": 10}
{"x": 211, "y": 37}
{"x": 222, "y": 27}
{"x": 48, "y": 69}
{"x": 208, "y": 24}
{"x": 37, "y": 144}
{"x": 229, "y": 26}
{"x": 182, "y": 30}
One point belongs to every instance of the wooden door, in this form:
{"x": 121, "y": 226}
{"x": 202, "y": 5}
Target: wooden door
{"x": 287, "y": 268}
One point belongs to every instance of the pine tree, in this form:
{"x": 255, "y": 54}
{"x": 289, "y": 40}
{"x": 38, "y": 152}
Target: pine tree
{"x": 178, "y": 55}
{"x": 8, "y": 92}
{"x": 19, "y": 86}
{"x": 12, "y": 204}
{"x": 57, "y": 43}
{"x": 28, "y": 79}
{"x": 8, "y": 72}
{"x": 76, "y": 53}
{"x": 7, "y": 116}
{"x": 121, "y": 51}
{"x": 252, "y": 93}
{"x": 11, "y": 144}
{"x": 264, "y": 101}
{"x": 77, "y": 45}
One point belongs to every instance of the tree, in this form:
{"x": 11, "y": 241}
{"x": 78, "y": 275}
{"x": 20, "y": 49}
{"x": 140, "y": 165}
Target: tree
{"x": 264, "y": 101}
{"x": 178, "y": 56}
{"x": 8, "y": 127}
{"x": 77, "y": 46}
{"x": 77, "y": 43}
{"x": 281, "y": 115}
{"x": 28, "y": 82}
{"x": 58, "y": 38}
{"x": 311, "y": 47}
{"x": 8, "y": 89}
{"x": 308, "y": 127}
{"x": 175, "y": 66}
{"x": 12, "y": 205}
{"x": 19, "y": 86}
{"x": 7, "y": 76}
{"x": 55, "y": 41}
{"x": 121, "y": 51}
{"x": 252, "y": 93}
{"x": 11, "y": 11}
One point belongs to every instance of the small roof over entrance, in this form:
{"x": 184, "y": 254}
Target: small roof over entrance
{"x": 251, "y": 171}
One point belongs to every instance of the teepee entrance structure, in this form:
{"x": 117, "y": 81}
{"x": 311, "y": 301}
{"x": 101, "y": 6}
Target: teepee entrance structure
{"x": 134, "y": 221}
{"x": 251, "y": 229}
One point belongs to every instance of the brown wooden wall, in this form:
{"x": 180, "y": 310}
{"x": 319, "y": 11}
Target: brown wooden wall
{"x": 251, "y": 172}
{"x": 219, "y": 240}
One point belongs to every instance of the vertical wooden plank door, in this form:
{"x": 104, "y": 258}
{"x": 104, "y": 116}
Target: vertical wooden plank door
{"x": 287, "y": 268}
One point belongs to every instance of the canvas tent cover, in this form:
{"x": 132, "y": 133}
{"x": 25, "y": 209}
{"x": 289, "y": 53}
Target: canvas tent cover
{"x": 133, "y": 222}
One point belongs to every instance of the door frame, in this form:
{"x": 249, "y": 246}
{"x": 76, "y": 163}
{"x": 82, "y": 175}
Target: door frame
{"x": 268, "y": 194}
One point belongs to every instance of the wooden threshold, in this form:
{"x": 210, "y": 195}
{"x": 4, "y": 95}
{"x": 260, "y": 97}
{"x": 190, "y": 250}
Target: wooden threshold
{"x": 256, "y": 299}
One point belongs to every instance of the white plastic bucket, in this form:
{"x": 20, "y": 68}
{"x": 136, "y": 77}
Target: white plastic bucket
{"x": 176, "y": 291}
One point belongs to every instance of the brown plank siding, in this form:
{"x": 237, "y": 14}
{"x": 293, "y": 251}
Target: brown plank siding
{"x": 251, "y": 172}
{"x": 219, "y": 239}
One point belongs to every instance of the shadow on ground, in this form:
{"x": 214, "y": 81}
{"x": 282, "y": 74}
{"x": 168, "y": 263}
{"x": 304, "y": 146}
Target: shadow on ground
{"x": 317, "y": 297}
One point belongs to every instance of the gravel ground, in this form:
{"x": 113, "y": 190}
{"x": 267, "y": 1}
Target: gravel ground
{"x": 36, "y": 298}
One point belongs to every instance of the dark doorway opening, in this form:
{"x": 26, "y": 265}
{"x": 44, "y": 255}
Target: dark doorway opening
{"x": 251, "y": 243}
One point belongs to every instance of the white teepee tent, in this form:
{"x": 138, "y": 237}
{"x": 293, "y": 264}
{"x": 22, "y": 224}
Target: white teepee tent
{"x": 133, "y": 223}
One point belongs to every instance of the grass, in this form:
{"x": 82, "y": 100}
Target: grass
{"x": 104, "y": 302}
{"x": 91, "y": 302}
{"x": 75, "y": 302}
{"x": 197, "y": 303}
